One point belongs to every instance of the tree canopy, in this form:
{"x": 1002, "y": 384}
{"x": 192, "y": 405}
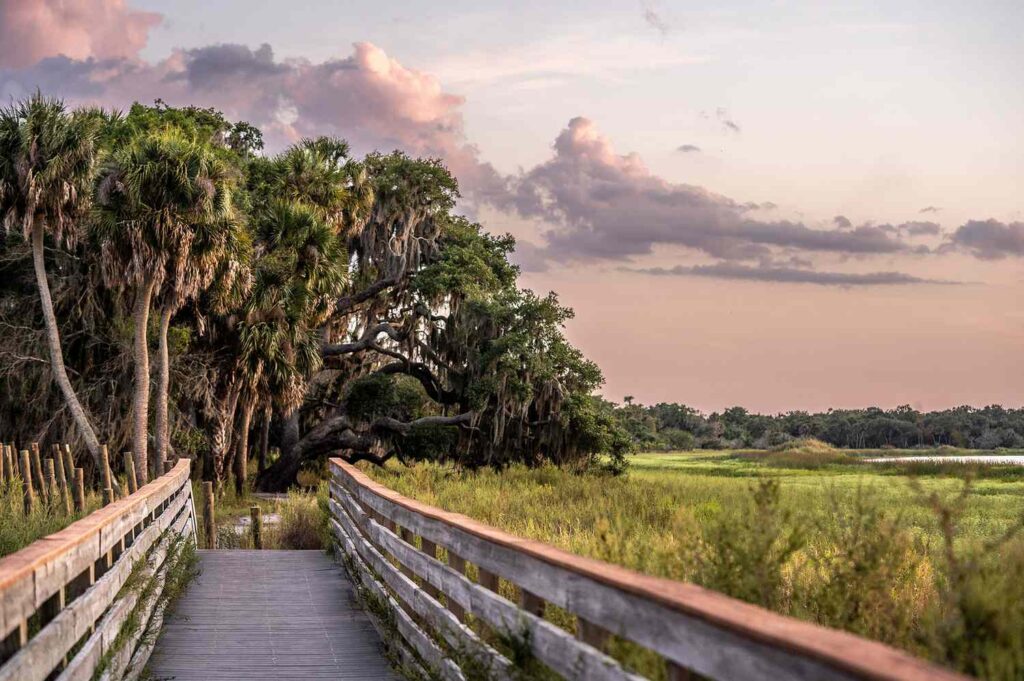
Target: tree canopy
{"x": 330, "y": 304}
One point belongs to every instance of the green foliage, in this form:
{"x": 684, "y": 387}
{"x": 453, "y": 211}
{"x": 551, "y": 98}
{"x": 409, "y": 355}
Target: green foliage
{"x": 262, "y": 262}
{"x": 472, "y": 263}
{"x": 206, "y": 124}
{"x": 377, "y": 395}
{"x": 746, "y": 549}
{"x": 844, "y": 545}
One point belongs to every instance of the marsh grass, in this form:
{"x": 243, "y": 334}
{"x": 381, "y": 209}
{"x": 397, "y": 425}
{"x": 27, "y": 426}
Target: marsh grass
{"x": 930, "y": 564}
{"x": 18, "y": 530}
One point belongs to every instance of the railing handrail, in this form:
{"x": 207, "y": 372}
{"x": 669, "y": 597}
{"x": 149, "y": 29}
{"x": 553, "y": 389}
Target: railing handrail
{"x": 840, "y": 650}
{"x": 63, "y": 605}
{"x": 24, "y": 562}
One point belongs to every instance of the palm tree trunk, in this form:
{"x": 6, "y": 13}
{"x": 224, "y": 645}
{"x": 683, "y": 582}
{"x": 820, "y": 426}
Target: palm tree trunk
{"x": 60, "y": 374}
{"x": 140, "y": 400}
{"x": 163, "y": 384}
{"x": 242, "y": 450}
{"x": 264, "y": 443}
{"x": 222, "y": 432}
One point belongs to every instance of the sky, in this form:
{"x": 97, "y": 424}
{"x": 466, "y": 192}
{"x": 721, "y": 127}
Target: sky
{"x": 776, "y": 204}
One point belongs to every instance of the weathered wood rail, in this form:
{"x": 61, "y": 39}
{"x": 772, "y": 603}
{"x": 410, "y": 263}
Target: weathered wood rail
{"x": 67, "y": 609}
{"x": 427, "y": 604}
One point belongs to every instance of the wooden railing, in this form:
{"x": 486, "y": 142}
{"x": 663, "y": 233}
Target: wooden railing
{"x": 67, "y": 608}
{"x": 425, "y": 603}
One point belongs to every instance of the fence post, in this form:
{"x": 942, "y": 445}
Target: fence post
{"x": 209, "y": 522}
{"x": 69, "y": 462}
{"x": 257, "y": 526}
{"x": 108, "y": 488}
{"x": 79, "y": 490}
{"x": 26, "y": 483}
{"x": 37, "y": 472}
{"x": 129, "y": 469}
{"x": 51, "y": 482}
{"x": 62, "y": 480}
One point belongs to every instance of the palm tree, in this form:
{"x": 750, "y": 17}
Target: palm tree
{"x": 191, "y": 268}
{"x": 302, "y": 273}
{"x": 152, "y": 194}
{"x": 47, "y": 166}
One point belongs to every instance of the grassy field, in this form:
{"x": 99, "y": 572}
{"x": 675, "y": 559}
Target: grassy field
{"x": 927, "y": 562}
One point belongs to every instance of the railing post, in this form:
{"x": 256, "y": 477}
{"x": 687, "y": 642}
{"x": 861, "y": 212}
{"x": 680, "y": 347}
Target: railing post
{"x": 410, "y": 539}
{"x": 591, "y": 634}
{"x": 430, "y": 548}
{"x": 26, "y": 482}
{"x": 531, "y": 602}
{"x": 487, "y": 579}
{"x": 257, "y": 526}
{"x": 15, "y": 641}
{"x": 209, "y": 522}
{"x": 457, "y": 563}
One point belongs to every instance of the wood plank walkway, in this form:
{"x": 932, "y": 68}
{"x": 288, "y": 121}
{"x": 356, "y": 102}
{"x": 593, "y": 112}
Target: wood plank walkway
{"x": 269, "y": 615}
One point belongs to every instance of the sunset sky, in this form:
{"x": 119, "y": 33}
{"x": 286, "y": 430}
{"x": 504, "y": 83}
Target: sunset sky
{"x": 777, "y": 204}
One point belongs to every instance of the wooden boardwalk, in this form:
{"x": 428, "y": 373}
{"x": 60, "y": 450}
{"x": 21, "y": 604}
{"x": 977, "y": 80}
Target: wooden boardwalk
{"x": 269, "y": 615}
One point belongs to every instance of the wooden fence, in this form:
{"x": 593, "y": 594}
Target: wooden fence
{"x": 432, "y": 611}
{"x": 67, "y": 608}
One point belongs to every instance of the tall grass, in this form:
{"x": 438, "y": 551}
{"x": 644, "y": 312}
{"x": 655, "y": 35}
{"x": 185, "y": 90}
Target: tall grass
{"x": 18, "y": 530}
{"x": 932, "y": 566}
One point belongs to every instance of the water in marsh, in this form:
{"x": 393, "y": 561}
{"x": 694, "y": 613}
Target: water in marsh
{"x": 1015, "y": 460}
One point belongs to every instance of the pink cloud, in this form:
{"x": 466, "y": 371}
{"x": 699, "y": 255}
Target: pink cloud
{"x": 369, "y": 98}
{"x": 607, "y": 206}
{"x": 31, "y": 30}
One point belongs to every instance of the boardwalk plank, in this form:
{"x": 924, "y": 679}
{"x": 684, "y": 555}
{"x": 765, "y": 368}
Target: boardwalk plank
{"x": 269, "y": 615}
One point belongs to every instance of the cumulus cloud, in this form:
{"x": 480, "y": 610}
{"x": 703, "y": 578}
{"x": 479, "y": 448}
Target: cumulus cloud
{"x": 610, "y": 206}
{"x": 989, "y": 239}
{"x": 930, "y": 209}
{"x": 688, "y": 148}
{"x": 791, "y": 275}
{"x": 368, "y": 97}
{"x": 31, "y": 30}
{"x": 842, "y": 222}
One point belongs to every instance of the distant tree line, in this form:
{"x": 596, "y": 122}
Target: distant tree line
{"x": 669, "y": 426}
